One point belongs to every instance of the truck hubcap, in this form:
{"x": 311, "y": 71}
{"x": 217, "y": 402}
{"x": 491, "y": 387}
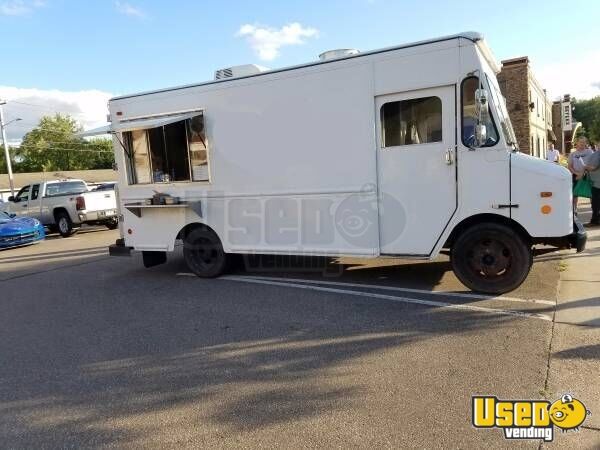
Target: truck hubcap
{"x": 205, "y": 252}
{"x": 63, "y": 225}
{"x": 490, "y": 258}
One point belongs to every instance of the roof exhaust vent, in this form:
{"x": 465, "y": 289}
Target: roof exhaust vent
{"x": 239, "y": 71}
{"x": 338, "y": 53}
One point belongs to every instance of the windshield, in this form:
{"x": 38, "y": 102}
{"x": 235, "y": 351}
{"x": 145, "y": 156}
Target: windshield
{"x": 500, "y": 102}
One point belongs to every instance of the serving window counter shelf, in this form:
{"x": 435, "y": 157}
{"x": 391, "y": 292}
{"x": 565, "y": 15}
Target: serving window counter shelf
{"x": 138, "y": 208}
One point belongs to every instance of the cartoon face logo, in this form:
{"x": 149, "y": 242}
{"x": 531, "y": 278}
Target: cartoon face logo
{"x": 568, "y": 413}
{"x": 356, "y": 216}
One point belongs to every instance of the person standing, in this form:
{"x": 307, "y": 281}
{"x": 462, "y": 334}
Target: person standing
{"x": 552, "y": 154}
{"x": 592, "y": 165}
{"x": 576, "y": 165}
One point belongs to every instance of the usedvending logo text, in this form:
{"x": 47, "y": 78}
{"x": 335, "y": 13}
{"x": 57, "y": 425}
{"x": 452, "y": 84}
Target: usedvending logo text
{"x": 528, "y": 419}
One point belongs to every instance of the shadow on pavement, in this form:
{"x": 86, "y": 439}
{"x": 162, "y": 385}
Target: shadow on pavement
{"x": 101, "y": 368}
{"x": 53, "y": 255}
{"x": 583, "y": 352}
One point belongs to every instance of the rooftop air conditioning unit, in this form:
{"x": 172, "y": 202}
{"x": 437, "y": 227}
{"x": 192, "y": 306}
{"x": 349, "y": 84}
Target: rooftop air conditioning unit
{"x": 338, "y": 53}
{"x": 239, "y": 71}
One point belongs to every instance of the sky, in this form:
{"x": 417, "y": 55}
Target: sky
{"x": 71, "y": 56}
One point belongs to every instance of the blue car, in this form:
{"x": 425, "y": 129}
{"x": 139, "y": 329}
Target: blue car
{"x": 16, "y": 231}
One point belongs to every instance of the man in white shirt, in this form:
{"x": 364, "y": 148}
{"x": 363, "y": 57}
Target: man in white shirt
{"x": 552, "y": 154}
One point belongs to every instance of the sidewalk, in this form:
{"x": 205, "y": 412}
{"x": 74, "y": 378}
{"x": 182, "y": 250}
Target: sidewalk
{"x": 574, "y": 364}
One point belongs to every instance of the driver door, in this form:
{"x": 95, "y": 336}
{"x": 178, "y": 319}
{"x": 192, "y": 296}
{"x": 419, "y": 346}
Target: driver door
{"x": 416, "y": 169}
{"x": 20, "y": 206}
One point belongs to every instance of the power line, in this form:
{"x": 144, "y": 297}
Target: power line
{"x": 33, "y": 105}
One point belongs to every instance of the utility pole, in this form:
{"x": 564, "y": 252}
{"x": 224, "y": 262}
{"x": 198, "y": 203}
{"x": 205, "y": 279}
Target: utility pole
{"x": 6, "y": 151}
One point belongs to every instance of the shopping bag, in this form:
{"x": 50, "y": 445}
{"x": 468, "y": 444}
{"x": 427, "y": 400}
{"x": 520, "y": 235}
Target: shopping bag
{"x": 583, "y": 188}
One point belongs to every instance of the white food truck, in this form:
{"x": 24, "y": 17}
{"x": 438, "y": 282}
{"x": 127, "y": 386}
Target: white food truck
{"x": 398, "y": 152}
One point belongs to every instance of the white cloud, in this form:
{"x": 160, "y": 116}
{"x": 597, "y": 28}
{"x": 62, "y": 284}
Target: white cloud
{"x": 566, "y": 77}
{"x": 19, "y": 7}
{"x": 129, "y": 10}
{"x": 89, "y": 108}
{"x": 267, "y": 42}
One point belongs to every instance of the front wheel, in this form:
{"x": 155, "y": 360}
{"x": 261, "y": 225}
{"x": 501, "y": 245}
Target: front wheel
{"x": 204, "y": 254}
{"x": 491, "y": 258}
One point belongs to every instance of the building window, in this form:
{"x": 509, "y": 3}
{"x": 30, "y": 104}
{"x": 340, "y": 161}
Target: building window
{"x": 173, "y": 152}
{"x": 469, "y": 115}
{"x": 531, "y": 149}
{"x": 409, "y": 122}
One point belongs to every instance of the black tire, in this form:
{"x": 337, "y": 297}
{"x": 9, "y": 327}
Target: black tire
{"x": 204, "y": 254}
{"x": 112, "y": 224}
{"x": 64, "y": 224}
{"x": 491, "y": 258}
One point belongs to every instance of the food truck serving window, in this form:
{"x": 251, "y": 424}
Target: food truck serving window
{"x": 175, "y": 151}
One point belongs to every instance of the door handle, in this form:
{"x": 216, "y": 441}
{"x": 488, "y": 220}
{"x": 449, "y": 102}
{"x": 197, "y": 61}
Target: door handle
{"x": 24, "y": 205}
{"x": 450, "y": 156}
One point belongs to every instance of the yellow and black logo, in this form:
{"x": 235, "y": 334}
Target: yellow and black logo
{"x": 528, "y": 419}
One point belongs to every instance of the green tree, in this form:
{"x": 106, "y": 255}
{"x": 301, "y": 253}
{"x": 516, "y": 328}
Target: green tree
{"x": 54, "y": 146}
{"x": 588, "y": 113}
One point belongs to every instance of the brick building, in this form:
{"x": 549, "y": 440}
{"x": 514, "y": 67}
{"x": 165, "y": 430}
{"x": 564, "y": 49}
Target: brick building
{"x": 563, "y": 124}
{"x": 528, "y": 105}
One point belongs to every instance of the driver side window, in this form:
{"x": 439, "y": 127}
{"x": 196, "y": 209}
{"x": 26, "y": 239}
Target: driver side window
{"x": 23, "y": 194}
{"x": 469, "y": 115}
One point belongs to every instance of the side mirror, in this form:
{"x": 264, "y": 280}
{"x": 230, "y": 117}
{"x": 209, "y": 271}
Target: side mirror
{"x": 12, "y": 199}
{"x": 12, "y": 215}
{"x": 482, "y": 108}
{"x": 480, "y": 135}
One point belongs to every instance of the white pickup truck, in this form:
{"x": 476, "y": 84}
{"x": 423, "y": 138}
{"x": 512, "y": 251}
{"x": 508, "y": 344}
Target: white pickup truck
{"x": 64, "y": 205}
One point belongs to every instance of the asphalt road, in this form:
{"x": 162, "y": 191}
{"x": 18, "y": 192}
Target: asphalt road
{"x": 98, "y": 351}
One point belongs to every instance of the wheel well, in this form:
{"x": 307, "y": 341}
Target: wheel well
{"x": 487, "y": 218}
{"x": 57, "y": 211}
{"x": 185, "y": 231}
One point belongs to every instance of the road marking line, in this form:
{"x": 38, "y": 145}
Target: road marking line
{"x": 393, "y": 298}
{"x": 402, "y": 289}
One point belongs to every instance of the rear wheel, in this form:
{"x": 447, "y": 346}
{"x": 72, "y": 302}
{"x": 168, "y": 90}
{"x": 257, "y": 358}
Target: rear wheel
{"x": 112, "y": 224}
{"x": 64, "y": 224}
{"x": 491, "y": 258}
{"x": 204, "y": 254}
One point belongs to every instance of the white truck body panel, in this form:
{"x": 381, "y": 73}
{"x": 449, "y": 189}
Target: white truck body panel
{"x": 297, "y": 167}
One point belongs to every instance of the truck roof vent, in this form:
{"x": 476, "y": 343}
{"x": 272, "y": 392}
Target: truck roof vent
{"x": 338, "y": 53}
{"x": 239, "y": 71}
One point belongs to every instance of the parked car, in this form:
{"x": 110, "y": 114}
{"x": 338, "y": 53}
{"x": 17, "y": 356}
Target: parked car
{"x": 64, "y": 205}
{"x": 16, "y": 231}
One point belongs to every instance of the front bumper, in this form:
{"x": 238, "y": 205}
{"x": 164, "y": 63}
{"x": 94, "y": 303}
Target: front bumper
{"x": 576, "y": 240}
{"x": 26, "y": 238}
